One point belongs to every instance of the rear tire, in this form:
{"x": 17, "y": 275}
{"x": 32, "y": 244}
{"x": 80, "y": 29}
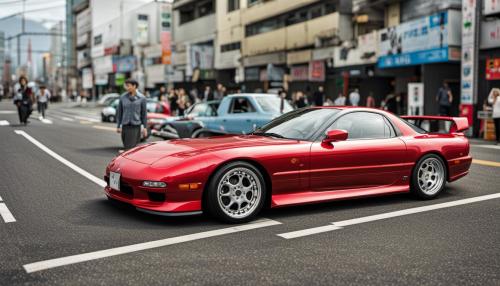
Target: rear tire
{"x": 111, "y": 118}
{"x": 429, "y": 177}
{"x": 236, "y": 193}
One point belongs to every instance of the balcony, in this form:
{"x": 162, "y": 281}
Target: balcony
{"x": 299, "y": 35}
{"x": 201, "y": 29}
{"x": 269, "y": 9}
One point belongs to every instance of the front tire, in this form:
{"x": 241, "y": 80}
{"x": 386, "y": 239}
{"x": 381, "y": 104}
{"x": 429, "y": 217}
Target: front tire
{"x": 236, "y": 193}
{"x": 429, "y": 177}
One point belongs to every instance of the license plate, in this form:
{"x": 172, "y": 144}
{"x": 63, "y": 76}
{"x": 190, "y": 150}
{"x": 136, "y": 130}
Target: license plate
{"x": 114, "y": 180}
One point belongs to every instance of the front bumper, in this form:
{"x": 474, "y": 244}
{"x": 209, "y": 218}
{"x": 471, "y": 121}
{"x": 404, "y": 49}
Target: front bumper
{"x": 154, "y": 201}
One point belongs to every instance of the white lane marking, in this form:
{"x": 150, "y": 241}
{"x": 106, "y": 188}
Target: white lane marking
{"x": 341, "y": 224}
{"x": 487, "y": 146}
{"x": 94, "y": 120}
{"x": 67, "y": 119}
{"x": 4, "y": 123}
{"x": 309, "y": 231}
{"x": 8, "y": 112}
{"x": 56, "y": 156}
{"x": 6, "y": 214}
{"x": 52, "y": 263}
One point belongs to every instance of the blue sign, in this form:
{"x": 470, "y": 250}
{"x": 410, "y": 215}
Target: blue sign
{"x": 414, "y": 58}
{"x": 420, "y": 41}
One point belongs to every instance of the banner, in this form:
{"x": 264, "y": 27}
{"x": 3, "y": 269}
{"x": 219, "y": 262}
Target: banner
{"x": 493, "y": 69}
{"x": 468, "y": 51}
{"x": 424, "y": 40}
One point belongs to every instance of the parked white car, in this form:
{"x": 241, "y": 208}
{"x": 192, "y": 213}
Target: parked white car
{"x": 106, "y": 99}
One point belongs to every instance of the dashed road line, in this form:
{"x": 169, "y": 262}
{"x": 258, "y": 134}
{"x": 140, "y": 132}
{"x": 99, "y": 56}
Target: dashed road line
{"x": 56, "y": 156}
{"x": 58, "y": 262}
{"x": 5, "y": 212}
{"x": 341, "y": 224}
{"x": 4, "y": 123}
{"x": 8, "y": 112}
{"x": 486, "y": 163}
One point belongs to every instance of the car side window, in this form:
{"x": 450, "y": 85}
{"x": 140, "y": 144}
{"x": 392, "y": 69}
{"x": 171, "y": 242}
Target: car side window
{"x": 364, "y": 125}
{"x": 241, "y": 105}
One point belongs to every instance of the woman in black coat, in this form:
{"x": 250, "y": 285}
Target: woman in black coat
{"x": 24, "y": 100}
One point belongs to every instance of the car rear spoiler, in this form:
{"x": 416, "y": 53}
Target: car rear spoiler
{"x": 460, "y": 124}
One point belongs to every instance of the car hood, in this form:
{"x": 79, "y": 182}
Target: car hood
{"x": 184, "y": 148}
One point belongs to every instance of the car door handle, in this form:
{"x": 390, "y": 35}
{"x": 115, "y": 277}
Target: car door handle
{"x": 249, "y": 120}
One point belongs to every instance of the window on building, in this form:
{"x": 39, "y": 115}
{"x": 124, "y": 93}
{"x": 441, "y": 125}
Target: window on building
{"x": 97, "y": 40}
{"x": 290, "y": 18}
{"x": 205, "y": 8}
{"x": 233, "y": 5}
{"x": 187, "y": 13}
{"x": 230, "y": 47}
{"x": 253, "y": 2}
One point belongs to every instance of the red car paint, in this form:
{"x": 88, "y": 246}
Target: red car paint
{"x": 162, "y": 112}
{"x": 298, "y": 172}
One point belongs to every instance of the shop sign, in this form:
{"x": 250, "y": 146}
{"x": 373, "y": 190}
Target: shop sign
{"x": 83, "y": 22}
{"x": 416, "y": 98}
{"x": 468, "y": 51}
{"x": 123, "y": 64}
{"x": 420, "y": 41}
{"x": 491, "y": 7}
{"x": 101, "y": 79}
{"x": 103, "y": 65}
{"x": 490, "y": 34}
{"x": 119, "y": 79}
{"x": 300, "y": 73}
{"x": 200, "y": 56}
{"x": 166, "y": 35}
{"x": 493, "y": 69}
{"x": 87, "y": 81}
{"x": 317, "y": 71}
{"x": 142, "y": 30}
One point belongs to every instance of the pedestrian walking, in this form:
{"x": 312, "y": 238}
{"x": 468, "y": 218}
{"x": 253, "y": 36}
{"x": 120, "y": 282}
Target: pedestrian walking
{"x": 219, "y": 92}
{"x": 444, "y": 98}
{"x": 370, "y": 101}
{"x": 42, "y": 99}
{"x": 300, "y": 100}
{"x": 319, "y": 96}
{"x": 208, "y": 95}
{"x": 172, "y": 99}
{"x": 354, "y": 97}
{"x": 24, "y": 100}
{"x": 340, "y": 100}
{"x": 131, "y": 115}
{"x": 183, "y": 102}
{"x": 494, "y": 100}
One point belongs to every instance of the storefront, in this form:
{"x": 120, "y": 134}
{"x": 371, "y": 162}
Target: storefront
{"x": 426, "y": 51}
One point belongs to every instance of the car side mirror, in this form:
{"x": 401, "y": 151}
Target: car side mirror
{"x": 335, "y": 135}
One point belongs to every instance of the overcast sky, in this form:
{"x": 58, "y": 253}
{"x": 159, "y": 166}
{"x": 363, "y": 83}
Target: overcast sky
{"x": 48, "y": 11}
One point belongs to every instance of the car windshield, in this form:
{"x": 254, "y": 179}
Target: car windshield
{"x": 300, "y": 124}
{"x": 272, "y": 104}
{"x": 198, "y": 109}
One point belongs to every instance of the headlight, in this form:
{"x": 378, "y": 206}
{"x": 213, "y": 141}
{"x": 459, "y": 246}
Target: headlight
{"x": 154, "y": 184}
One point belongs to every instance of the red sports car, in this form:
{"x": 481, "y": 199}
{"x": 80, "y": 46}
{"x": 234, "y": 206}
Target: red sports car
{"x": 305, "y": 156}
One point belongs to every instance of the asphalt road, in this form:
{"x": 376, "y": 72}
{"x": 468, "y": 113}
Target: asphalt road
{"x": 59, "y": 213}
